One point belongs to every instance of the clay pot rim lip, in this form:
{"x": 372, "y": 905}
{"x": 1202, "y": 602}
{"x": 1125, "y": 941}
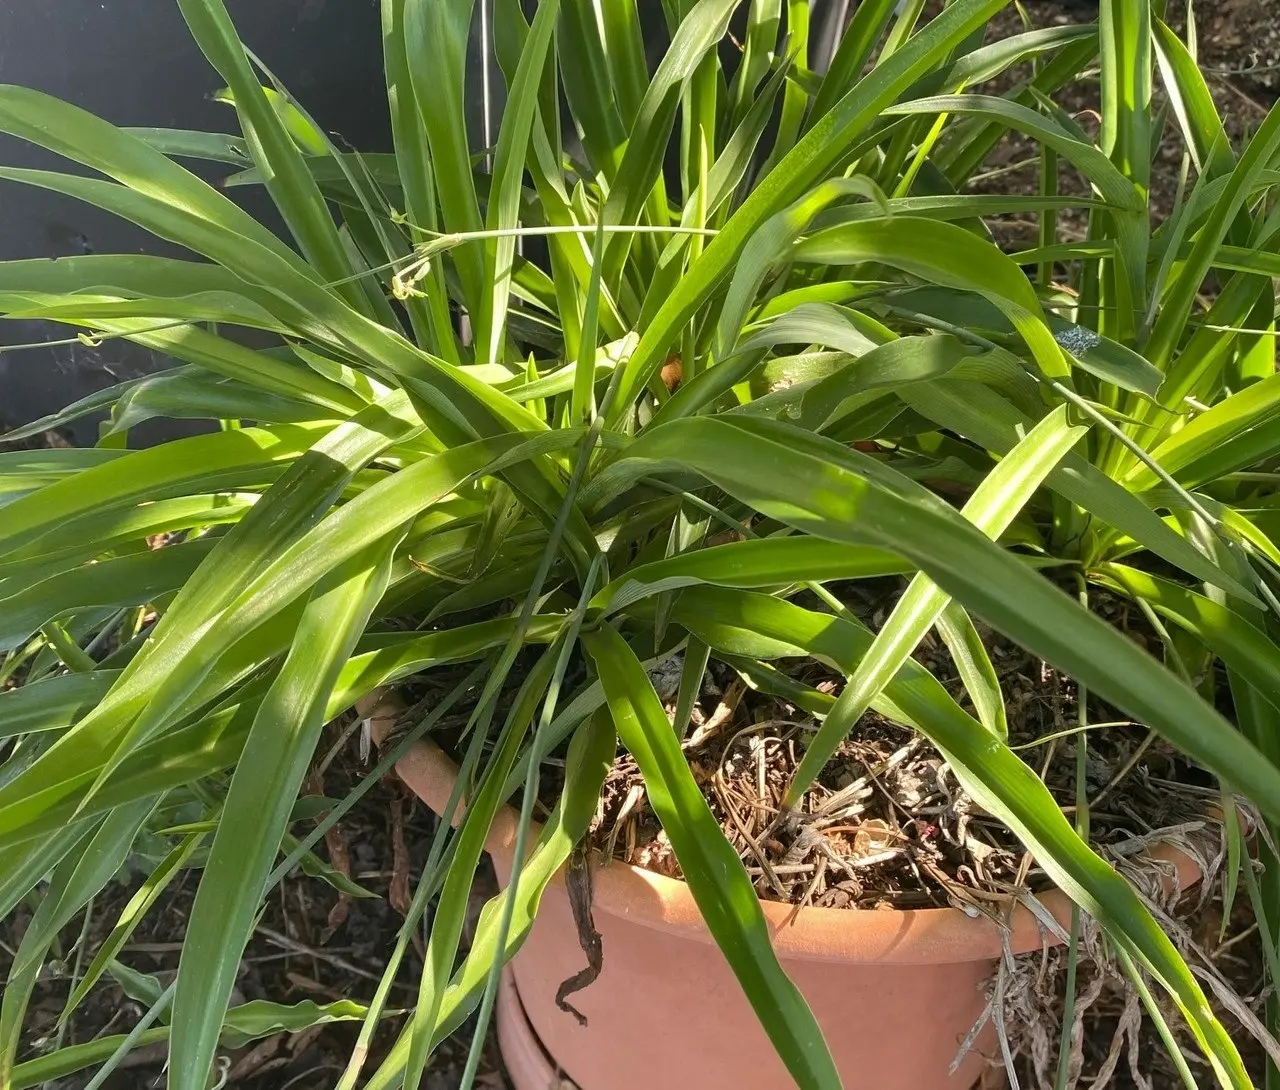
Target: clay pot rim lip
{"x": 906, "y": 936}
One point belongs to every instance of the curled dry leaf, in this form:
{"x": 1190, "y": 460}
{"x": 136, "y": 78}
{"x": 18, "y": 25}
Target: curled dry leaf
{"x": 578, "y": 884}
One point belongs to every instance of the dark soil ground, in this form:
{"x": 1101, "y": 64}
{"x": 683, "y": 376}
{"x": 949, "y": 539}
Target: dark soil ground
{"x": 314, "y": 944}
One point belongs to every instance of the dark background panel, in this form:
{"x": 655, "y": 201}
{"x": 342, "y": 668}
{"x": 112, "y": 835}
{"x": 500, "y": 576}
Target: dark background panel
{"x": 135, "y": 63}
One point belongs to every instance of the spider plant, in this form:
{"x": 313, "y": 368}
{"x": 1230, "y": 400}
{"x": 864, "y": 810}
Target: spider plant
{"x": 466, "y": 417}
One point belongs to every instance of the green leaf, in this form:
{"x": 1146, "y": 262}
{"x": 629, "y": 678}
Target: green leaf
{"x": 266, "y": 783}
{"x": 213, "y": 147}
{"x": 1107, "y": 359}
{"x": 314, "y": 867}
{"x": 446, "y": 930}
{"x": 1193, "y": 104}
{"x": 457, "y": 404}
{"x": 80, "y": 136}
{"x": 980, "y": 414}
{"x": 1124, "y": 33}
{"x": 256, "y": 370}
{"x": 190, "y": 395}
{"x": 943, "y": 253}
{"x": 435, "y": 35}
{"x": 244, "y": 1023}
{"x": 970, "y": 144}
{"x": 157, "y": 685}
{"x": 990, "y": 60}
{"x": 130, "y": 917}
{"x": 231, "y": 308}
{"x": 994, "y": 505}
{"x": 1200, "y": 450}
{"x": 710, "y": 865}
{"x": 294, "y": 296}
{"x": 129, "y": 274}
{"x": 726, "y": 173}
{"x": 590, "y": 756}
{"x": 889, "y": 366}
{"x": 764, "y": 20}
{"x": 411, "y": 170}
{"x": 1180, "y": 296}
{"x": 641, "y": 165}
{"x": 811, "y": 324}
{"x": 53, "y": 703}
{"x": 1246, "y": 649}
{"x": 1130, "y": 217}
{"x": 216, "y": 741}
{"x": 953, "y": 206}
{"x": 812, "y": 159}
{"x": 204, "y": 747}
{"x": 233, "y": 361}
{"x": 754, "y": 624}
{"x": 76, "y": 879}
{"x": 132, "y": 580}
{"x": 96, "y": 533}
{"x": 1124, "y": 40}
{"x": 23, "y": 471}
{"x": 770, "y": 244}
{"x": 859, "y": 39}
{"x": 508, "y": 172}
{"x": 1116, "y": 189}
{"x": 624, "y": 49}
{"x": 26, "y": 865}
{"x": 310, "y": 140}
{"x": 44, "y": 1071}
{"x": 800, "y": 84}
{"x": 306, "y": 491}
{"x": 259, "y": 1018}
{"x": 762, "y": 562}
{"x": 974, "y": 667}
{"x": 98, "y": 401}
{"x": 820, "y": 487}
{"x": 229, "y": 460}
{"x": 268, "y": 139}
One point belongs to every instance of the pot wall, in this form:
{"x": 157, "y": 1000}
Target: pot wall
{"x": 667, "y": 1011}
{"x": 894, "y": 992}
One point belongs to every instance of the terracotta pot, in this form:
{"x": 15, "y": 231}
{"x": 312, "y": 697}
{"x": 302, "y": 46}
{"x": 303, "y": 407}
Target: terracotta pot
{"x": 526, "y": 1060}
{"x": 894, "y": 992}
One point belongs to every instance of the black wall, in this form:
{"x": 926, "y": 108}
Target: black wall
{"x": 134, "y": 63}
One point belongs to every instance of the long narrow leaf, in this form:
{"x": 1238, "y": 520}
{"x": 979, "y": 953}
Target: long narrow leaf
{"x": 810, "y": 160}
{"x": 262, "y": 793}
{"x": 757, "y": 625}
{"x": 822, "y": 488}
{"x": 710, "y": 865}
{"x": 993, "y": 506}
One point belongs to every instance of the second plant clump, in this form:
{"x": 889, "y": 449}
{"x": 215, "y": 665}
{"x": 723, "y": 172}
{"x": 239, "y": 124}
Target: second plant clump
{"x": 734, "y": 295}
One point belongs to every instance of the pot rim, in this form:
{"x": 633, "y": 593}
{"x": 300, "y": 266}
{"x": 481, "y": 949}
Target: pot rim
{"x": 928, "y": 936}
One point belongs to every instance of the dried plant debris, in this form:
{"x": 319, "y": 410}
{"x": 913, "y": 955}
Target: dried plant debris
{"x": 1110, "y": 1041}
{"x": 887, "y": 825}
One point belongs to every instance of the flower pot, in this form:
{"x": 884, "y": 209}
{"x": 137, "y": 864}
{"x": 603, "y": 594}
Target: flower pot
{"x": 526, "y": 1060}
{"x": 894, "y": 992}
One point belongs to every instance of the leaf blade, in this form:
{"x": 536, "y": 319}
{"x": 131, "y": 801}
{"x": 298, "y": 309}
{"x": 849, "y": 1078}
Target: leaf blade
{"x": 710, "y": 865}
